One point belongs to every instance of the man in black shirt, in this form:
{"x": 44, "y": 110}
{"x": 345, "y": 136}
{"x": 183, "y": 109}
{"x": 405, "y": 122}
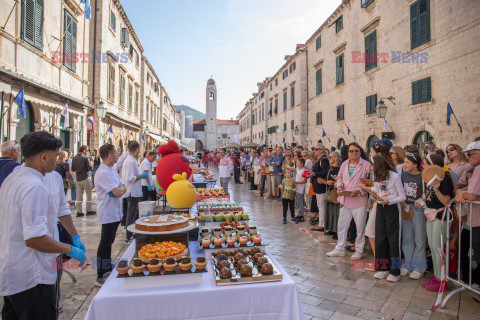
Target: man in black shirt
{"x": 320, "y": 170}
{"x": 82, "y": 168}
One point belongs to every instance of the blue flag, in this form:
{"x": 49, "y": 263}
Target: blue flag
{"x": 283, "y": 140}
{"x": 110, "y": 129}
{"x": 88, "y": 9}
{"x": 324, "y": 134}
{"x": 143, "y": 137}
{"x": 20, "y": 99}
{"x": 449, "y": 113}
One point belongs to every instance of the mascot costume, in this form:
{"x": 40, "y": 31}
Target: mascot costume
{"x": 172, "y": 162}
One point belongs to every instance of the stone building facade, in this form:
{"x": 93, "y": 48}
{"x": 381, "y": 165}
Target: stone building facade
{"x": 420, "y": 54}
{"x": 36, "y": 55}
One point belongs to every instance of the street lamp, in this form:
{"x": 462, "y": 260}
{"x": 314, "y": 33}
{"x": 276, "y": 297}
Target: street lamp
{"x": 297, "y": 131}
{"x": 147, "y": 131}
{"x": 381, "y": 108}
{"x": 101, "y": 110}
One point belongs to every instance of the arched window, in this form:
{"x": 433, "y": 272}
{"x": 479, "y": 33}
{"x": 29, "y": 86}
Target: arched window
{"x": 340, "y": 143}
{"x": 420, "y": 138}
{"x": 370, "y": 142}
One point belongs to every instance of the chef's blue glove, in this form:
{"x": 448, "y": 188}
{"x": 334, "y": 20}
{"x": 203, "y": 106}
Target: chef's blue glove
{"x": 110, "y": 194}
{"x": 78, "y": 254}
{"x": 78, "y": 243}
{"x": 144, "y": 175}
{"x": 149, "y": 185}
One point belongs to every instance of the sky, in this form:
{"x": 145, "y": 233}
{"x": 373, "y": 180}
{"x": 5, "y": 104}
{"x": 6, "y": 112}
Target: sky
{"x": 238, "y": 42}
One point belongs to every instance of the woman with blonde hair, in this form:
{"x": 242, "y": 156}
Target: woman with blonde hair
{"x": 63, "y": 168}
{"x": 457, "y": 162}
{"x": 398, "y": 156}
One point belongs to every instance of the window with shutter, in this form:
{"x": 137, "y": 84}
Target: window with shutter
{"x": 318, "y": 81}
{"x": 319, "y": 118}
{"x": 371, "y": 51}
{"x": 292, "y": 97}
{"x": 421, "y": 91}
{"x": 366, "y": 3}
{"x": 130, "y": 97}
{"x": 318, "y": 42}
{"x": 111, "y": 82}
{"x": 122, "y": 90}
{"x": 371, "y": 103}
{"x": 292, "y": 124}
{"x": 32, "y": 22}
{"x": 270, "y": 110}
{"x": 339, "y": 24}
{"x": 113, "y": 21}
{"x": 340, "y": 69}
{"x": 419, "y": 23}
{"x": 284, "y": 100}
{"x": 276, "y": 106}
{"x": 284, "y": 126}
{"x": 69, "y": 41}
{"x": 125, "y": 37}
{"x": 130, "y": 52}
{"x": 276, "y": 82}
{"x": 136, "y": 101}
{"x": 340, "y": 113}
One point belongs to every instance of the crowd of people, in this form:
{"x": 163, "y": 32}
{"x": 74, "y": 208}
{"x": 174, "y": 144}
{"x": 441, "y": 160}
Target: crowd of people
{"x": 381, "y": 196}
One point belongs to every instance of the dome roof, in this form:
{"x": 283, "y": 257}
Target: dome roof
{"x": 211, "y": 82}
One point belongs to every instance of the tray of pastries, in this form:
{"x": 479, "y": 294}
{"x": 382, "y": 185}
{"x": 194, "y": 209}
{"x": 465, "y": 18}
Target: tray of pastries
{"x": 243, "y": 266}
{"x": 162, "y": 250}
{"x": 223, "y": 216}
{"x": 155, "y": 267}
{"x": 229, "y": 236}
{"x": 162, "y": 224}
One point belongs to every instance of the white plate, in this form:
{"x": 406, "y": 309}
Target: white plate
{"x": 191, "y": 225}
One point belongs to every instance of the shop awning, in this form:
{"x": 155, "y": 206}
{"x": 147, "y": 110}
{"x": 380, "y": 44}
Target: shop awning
{"x": 158, "y": 138}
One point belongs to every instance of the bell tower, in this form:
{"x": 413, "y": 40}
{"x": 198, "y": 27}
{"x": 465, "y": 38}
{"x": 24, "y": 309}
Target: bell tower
{"x": 211, "y": 115}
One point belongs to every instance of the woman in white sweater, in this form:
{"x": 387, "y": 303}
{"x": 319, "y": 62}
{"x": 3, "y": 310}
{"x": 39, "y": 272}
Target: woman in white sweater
{"x": 388, "y": 186}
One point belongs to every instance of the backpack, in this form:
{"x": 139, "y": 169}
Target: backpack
{"x": 61, "y": 168}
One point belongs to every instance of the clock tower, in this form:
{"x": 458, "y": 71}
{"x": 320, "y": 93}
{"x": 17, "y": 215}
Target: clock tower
{"x": 211, "y": 116}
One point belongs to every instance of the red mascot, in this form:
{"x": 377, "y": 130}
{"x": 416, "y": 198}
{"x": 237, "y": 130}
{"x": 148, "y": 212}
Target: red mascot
{"x": 172, "y": 162}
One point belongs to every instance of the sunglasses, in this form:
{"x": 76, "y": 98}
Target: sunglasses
{"x": 451, "y": 150}
{"x": 469, "y": 154}
{"x": 354, "y": 151}
{"x": 393, "y": 153}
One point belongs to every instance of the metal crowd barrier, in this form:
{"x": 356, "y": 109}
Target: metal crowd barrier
{"x": 462, "y": 210}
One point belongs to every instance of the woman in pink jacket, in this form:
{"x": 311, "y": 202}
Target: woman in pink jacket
{"x": 353, "y": 205}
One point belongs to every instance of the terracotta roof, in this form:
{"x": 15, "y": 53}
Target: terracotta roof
{"x": 199, "y": 121}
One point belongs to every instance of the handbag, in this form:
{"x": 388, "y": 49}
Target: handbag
{"x": 431, "y": 214}
{"x": 407, "y": 213}
{"x": 328, "y": 189}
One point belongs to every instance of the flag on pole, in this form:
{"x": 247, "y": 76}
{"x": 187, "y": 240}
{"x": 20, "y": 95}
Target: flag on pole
{"x": 283, "y": 140}
{"x": 293, "y": 139}
{"x": 110, "y": 129}
{"x": 20, "y": 99}
{"x": 385, "y": 125}
{"x": 449, "y": 113}
{"x": 88, "y": 9}
{"x": 64, "y": 113}
{"x": 348, "y": 129}
{"x": 143, "y": 137}
{"x": 123, "y": 131}
{"x": 131, "y": 135}
{"x": 324, "y": 134}
{"x": 307, "y": 137}
{"x": 92, "y": 122}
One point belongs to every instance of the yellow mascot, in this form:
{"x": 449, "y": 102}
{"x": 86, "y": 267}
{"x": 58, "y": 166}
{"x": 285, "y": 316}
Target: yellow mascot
{"x": 181, "y": 193}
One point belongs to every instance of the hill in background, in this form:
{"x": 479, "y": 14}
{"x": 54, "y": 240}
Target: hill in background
{"x": 192, "y": 112}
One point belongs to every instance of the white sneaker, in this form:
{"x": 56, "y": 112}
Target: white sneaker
{"x": 380, "y": 274}
{"x": 357, "y": 256}
{"x": 415, "y": 275}
{"x": 404, "y": 272}
{"x": 392, "y": 278}
{"x": 336, "y": 253}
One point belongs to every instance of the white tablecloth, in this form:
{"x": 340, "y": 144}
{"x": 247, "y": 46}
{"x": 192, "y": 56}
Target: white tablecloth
{"x": 260, "y": 301}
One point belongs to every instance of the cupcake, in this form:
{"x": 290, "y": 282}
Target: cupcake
{"x": 243, "y": 240}
{"x": 267, "y": 268}
{"x": 241, "y": 262}
{"x": 186, "y": 264}
{"x": 204, "y": 231}
{"x": 218, "y": 242}
{"x": 221, "y": 257}
{"x": 122, "y": 267}
{"x": 231, "y": 241}
{"x": 245, "y": 216}
{"x": 241, "y": 230}
{"x": 206, "y": 242}
{"x": 261, "y": 261}
{"x": 228, "y": 231}
{"x": 253, "y": 230}
{"x": 246, "y": 270}
{"x": 137, "y": 265}
{"x": 170, "y": 264}
{"x": 219, "y": 252}
{"x": 225, "y": 273}
{"x": 257, "y": 256}
{"x": 238, "y": 256}
{"x": 154, "y": 265}
{"x": 257, "y": 239}
{"x": 223, "y": 264}
{"x": 254, "y": 251}
{"x": 237, "y": 217}
{"x": 217, "y": 231}
{"x": 200, "y": 263}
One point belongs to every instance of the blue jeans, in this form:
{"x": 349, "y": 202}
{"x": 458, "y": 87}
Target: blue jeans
{"x": 414, "y": 241}
{"x": 74, "y": 191}
{"x": 95, "y": 168}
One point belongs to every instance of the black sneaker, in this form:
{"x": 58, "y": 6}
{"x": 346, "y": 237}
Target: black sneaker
{"x": 91, "y": 213}
{"x": 79, "y": 214}
{"x": 284, "y": 221}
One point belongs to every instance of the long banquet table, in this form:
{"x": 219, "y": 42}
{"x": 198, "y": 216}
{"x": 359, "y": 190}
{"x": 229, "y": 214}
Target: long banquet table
{"x": 204, "y": 300}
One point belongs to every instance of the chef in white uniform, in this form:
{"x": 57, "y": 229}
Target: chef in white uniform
{"x": 29, "y": 234}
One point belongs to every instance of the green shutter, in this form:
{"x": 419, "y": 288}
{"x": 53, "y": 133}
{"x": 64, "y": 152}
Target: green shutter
{"x": 318, "y": 42}
{"x": 284, "y": 100}
{"x": 340, "y": 69}
{"x": 292, "y": 100}
{"x": 422, "y": 91}
{"x": 414, "y": 22}
{"x": 73, "y": 66}
{"x": 370, "y": 50}
{"x": 39, "y": 24}
{"x": 424, "y": 21}
{"x": 318, "y": 77}
{"x": 28, "y": 21}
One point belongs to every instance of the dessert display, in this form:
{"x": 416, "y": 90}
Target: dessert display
{"x": 218, "y": 205}
{"x": 154, "y": 265}
{"x": 222, "y": 216}
{"x": 190, "y": 217}
{"x": 162, "y": 251}
{"x": 229, "y": 237}
{"x": 170, "y": 264}
{"x": 185, "y": 264}
{"x": 211, "y": 193}
{"x": 137, "y": 266}
{"x": 243, "y": 266}
{"x": 159, "y": 223}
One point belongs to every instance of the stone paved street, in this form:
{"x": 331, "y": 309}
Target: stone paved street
{"x": 329, "y": 287}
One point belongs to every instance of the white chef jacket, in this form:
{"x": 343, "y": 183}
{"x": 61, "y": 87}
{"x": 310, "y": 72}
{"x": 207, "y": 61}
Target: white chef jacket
{"x": 129, "y": 175}
{"x": 225, "y": 167}
{"x": 119, "y": 165}
{"x": 146, "y": 166}
{"x": 29, "y": 210}
{"x": 109, "y": 209}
